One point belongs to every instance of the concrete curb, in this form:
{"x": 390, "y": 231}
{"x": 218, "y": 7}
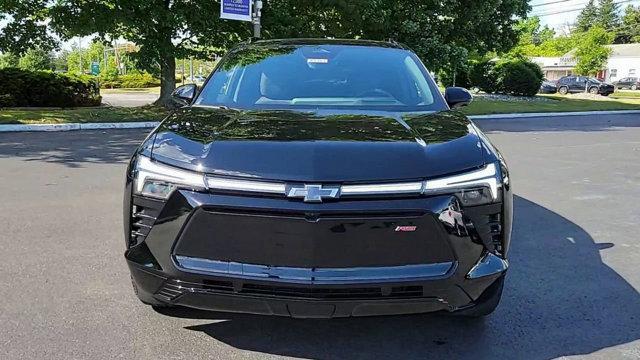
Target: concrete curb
{"x": 152, "y": 124}
{"x": 78, "y": 126}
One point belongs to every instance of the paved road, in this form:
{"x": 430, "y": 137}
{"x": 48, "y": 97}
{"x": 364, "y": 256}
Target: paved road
{"x": 129, "y": 99}
{"x": 572, "y": 289}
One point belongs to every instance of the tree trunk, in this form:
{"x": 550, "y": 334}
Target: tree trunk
{"x": 167, "y": 79}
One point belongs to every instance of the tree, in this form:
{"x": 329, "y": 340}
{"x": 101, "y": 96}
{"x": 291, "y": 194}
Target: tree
{"x": 8, "y": 60}
{"x": 592, "y": 52}
{"x": 36, "y": 59}
{"x": 26, "y": 26}
{"x": 588, "y": 17}
{"x": 443, "y": 33}
{"x": 164, "y": 30}
{"x": 608, "y": 15}
{"x": 629, "y": 32}
{"x": 535, "y": 40}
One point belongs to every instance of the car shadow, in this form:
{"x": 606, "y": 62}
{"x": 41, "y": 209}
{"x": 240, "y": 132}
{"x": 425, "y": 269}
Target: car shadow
{"x": 560, "y": 299}
{"x": 72, "y": 148}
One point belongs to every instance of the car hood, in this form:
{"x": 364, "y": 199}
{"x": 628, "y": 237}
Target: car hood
{"x": 316, "y": 146}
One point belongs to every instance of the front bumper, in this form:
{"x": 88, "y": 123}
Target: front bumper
{"x": 455, "y": 274}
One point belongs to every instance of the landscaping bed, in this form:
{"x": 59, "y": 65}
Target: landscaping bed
{"x": 81, "y": 115}
{"x": 550, "y": 103}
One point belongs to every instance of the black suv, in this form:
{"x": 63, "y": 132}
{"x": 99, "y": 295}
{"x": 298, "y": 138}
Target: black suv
{"x": 576, "y": 84}
{"x": 319, "y": 178}
{"x": 632, "y": 83}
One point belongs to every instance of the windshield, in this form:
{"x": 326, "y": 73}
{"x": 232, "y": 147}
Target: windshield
{"x": 321, "y": 76}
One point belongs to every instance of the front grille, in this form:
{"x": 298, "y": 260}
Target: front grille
{"x": 172, "y": 289}
{"x": 143, "y": 216}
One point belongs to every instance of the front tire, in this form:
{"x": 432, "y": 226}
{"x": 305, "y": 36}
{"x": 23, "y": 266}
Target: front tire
{"x": 488, "y": 301}
{"x": 593, "y": 91}
{"x": 634, "y": 87}
{"x": 563, "y": 90}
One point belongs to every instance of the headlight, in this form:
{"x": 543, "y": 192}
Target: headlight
{"x": 473, "y": 188}
{"x": 159, "y": 181}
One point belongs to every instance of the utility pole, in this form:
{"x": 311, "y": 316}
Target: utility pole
{"x": 80, "y": 54}
{"x": 191, "y": 68}
{"x": 257, "y": 13}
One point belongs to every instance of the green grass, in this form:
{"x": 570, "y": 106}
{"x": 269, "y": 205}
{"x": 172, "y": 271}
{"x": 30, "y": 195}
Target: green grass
{"x": 621, "y": 100}
{"x": 81, "y": 115}
{"x": 481, "y": 106}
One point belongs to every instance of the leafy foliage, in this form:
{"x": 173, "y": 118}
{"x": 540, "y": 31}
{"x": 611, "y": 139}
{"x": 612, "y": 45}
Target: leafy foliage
{"x": 8, "y": 60}
{"x": 520, "y": 77}
{"x": 592, "y": 52}
{"x": 588, "y": 17}
{"x": 133, "y": 81}
{"x": 443, "y": 33}
{"x": 535, "y": 40}
{"x": 27, "y": 28}
{"x": 629, "y": 32}
{"x": 608, "y": 17}
{"x": 36, "y": 59}
{"x": 483, "y": 76}
{"x": 45, "y": 88}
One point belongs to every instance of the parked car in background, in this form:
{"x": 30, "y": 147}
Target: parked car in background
{"x": 632, "y": 83}
{"x": 577, "y": 84}
{"x": 548, "y": 87}
{"x": 198, "y": 79}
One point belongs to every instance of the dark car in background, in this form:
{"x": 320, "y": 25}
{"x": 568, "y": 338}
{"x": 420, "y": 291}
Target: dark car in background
{"x": 577, "y": 84}
{"x": 319, "y": 179}
{"x": 632, "y": 83}
{"x": 548, "y": 87}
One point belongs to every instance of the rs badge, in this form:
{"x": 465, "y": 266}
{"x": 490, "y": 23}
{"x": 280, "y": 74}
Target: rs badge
{"x": 406, "y": 228}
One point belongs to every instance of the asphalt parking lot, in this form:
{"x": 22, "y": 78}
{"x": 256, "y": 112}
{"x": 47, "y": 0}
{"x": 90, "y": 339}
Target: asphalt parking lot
{"x": 572, "y": 290}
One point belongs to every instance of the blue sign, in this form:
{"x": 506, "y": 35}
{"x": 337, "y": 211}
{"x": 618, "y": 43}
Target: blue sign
{"x": 236, "y": 9}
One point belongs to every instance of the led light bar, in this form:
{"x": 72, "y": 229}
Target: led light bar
{"x": 382, "y": 189}
{"x": 483, "y": 177}
{"x": 216, "y": 183}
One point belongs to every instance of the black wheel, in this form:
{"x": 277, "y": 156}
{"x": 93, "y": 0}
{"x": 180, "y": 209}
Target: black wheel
{"x": 148, "y": 299}
{"x": 593, "y": 91}
{"x": 563, "y": 90}
{"x": 488, "y": 301}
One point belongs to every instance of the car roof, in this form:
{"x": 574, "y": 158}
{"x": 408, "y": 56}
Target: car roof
{"x": 309, "y": 41}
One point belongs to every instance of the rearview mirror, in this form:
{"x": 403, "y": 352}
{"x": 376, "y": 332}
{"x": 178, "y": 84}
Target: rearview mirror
{"x": 185, "y": 94}
{"x": 457, "y": 97}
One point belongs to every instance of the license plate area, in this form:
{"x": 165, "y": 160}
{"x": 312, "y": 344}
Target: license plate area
{"x": 314, "y": 240}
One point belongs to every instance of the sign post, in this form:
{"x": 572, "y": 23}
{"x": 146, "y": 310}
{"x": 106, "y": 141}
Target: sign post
{"x": 243, "y": 10}
{"x": 95, "y": 68}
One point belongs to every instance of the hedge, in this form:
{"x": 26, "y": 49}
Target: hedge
{"x": 46, "y": 88}
{"x": 514, "y": 77}
{"x": 135, "y": 81}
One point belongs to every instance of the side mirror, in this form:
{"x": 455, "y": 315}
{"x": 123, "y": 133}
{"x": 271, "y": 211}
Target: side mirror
{"x": 457, "y": 97}
{"x": 185, "y": 94}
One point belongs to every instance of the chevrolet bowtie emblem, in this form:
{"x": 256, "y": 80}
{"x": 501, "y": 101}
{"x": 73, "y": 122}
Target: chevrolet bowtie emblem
{"x": 313, "y": 193}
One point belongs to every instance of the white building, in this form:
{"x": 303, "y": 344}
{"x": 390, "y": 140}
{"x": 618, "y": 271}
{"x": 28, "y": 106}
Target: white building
{"x": 623, "y": 62}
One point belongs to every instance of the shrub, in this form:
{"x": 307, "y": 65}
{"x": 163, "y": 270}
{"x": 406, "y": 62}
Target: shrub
{"x": 134, "y": 80}
{"x": 461, "y": 80}
{"x": 482, "y": 75}
{"x": 520, "y": 77}
{"x": 45, "y": 88}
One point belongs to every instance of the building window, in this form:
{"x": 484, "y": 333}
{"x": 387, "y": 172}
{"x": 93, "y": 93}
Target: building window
{"x": 614, "y": 73}
{"x": 632, "y": 72}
